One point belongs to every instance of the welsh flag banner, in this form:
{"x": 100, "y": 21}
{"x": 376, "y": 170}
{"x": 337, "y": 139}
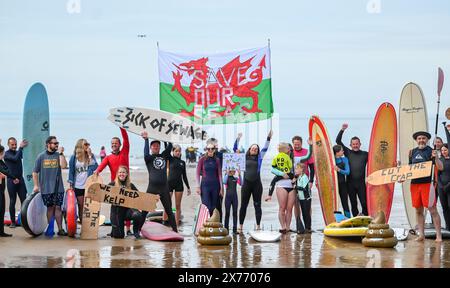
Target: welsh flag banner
{"x": 222, "y": 88}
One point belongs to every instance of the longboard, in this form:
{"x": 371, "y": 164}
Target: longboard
{"x": 91, "y": 211}
{"x": 160, "y": 125}
{"x": 382, "y": 154}
{"x": 265, "y": 236}
{"x": 35, "y": 129}
{"x": 404, "y": 172}
{"x": 71, "y": 213}
{"x": 123, "y": 197}
{"x": 201, "y": 215}
{"x": 158, "y": 232}
{"x": 34, "y": 214}
{"x": 412, "y": 118}
{"x": 324, "y": 163}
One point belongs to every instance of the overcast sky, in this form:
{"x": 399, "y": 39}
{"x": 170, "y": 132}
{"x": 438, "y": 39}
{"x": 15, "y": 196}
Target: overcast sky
{"x": 331, "y": 58}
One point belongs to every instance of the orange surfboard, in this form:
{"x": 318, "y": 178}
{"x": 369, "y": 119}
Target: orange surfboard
{"x": 324, "y": 163}
{"x": 382, "y": 154}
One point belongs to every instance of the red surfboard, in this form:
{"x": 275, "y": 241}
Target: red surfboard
{"x": 382, "y": 154}
{"x": 71, "y": 213}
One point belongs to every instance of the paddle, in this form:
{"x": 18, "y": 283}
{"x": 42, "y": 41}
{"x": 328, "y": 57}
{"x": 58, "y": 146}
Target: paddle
{"x": 439, "y": 90}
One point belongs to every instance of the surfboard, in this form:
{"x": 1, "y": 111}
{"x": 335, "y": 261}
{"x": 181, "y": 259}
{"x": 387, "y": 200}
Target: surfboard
{"x": 35, "y": 129}
{"x": 201, "y": 215}
{"x": 158, "y": 232}
{"x": 71, "y": 213}
{"x": 430, "y": 233}
{"x": 412, "y": 117}
{"x": 345, "y": 232}
{"x": 324, "y": 163}
{"x": 34, "y": 214}
{"x": 160, "y": 125}
{"x": 382, "y": 154}
{"x": 357, "y": 221}
{"x": 265, "y": 236}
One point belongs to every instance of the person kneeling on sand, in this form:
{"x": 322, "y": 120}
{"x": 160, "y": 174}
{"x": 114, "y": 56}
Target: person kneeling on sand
{"x": 121, "y": 214}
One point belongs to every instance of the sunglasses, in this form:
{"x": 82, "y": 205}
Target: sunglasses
{"x": 210, "y": 149}
{"x": 54, "y": 143}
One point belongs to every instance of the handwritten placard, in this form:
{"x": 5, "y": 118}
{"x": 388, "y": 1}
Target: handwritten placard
{"x": 233, "y": 161}
{"x": 401, "y": 173}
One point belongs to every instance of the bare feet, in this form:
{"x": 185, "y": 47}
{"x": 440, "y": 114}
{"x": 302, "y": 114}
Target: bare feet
{"x": 438, "y": 239}
{"x": 420, "y": 239}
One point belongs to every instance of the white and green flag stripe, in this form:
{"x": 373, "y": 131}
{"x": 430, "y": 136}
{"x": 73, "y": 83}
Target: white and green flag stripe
{"x": 222, "y": 88}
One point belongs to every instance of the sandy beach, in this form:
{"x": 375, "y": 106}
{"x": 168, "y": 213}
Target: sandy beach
{"x": 293, "y": 251}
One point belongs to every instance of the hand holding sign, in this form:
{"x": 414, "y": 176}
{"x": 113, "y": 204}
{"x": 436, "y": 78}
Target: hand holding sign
{"x": 400, "y": 174}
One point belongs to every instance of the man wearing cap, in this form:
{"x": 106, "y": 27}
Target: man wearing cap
{"x": 420, "y": 188}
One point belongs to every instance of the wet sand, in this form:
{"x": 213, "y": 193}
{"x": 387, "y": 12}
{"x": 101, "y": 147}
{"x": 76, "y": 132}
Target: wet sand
{"x": 293, "y": 251}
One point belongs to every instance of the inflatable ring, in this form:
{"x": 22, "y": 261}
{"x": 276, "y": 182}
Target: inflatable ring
{"x": 219, "y": 240}
{"x": 212, "y": 225}
{"x": 380, "y": 233}
{"x": 209, "y": 231}
{"x": 380, "y": 242}
{"x": 379, "y": 226}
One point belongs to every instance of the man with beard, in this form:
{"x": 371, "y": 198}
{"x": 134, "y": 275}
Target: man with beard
{"x": 420, "y": 188}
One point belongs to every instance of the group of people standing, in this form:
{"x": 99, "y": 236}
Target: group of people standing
{"x": 293, "y": 168}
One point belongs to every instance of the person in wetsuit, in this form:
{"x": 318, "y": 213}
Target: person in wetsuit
{"x": 343, "y": 170}
{"x": 121, "y": 214}
{"x": 356, "y": 180}
{"x": 177, "y": 174}
{"x": 13, "y": 159}
{"x": 5, "y": 171}
{"x": 443, "y": 165}
{"x": 252, "y": 185}
{"x": 156, "y": 163}
{"x": 210, "y": 186}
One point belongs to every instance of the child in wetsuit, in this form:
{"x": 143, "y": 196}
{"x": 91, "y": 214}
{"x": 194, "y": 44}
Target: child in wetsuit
{"x": 281, "y": 164}
{"x": 301, "y": 184}
{"x": 230, "y": 181}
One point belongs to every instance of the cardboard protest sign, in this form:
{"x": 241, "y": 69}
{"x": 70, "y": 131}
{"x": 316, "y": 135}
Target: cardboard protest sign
{"x": 123, "y": 197}
{"x": 401, "y": 173}
{"x": 160, "y": 125}
{"x": 233, "y": 161}
{"x": 91, "y": 211}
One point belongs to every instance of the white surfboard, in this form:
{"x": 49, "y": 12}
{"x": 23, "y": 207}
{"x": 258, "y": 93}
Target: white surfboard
{"x": 160, "y": 125}
{"x": 412, "y": 118}
{"x": 265, "y": 236}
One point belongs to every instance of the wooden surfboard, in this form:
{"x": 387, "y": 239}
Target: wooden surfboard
{"x": 71, "y": 213}
{"x": 324, "y": 163}
{"x": 404, "y": 172}
{"x": 412, "y": 117}
{"x": 35, "y": 129}
{"x": 160, "y": 125}
{"x": 91, "y": 211}
{"x": 123, "y": 197}
{"x": 382, "y": 154}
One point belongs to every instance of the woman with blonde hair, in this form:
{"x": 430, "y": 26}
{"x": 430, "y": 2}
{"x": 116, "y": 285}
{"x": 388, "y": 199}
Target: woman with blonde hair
{"x": 120, "y": 214}
{"x": 82, "y": 164}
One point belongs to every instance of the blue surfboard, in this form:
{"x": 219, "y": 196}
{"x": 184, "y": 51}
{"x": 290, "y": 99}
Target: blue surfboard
{"x": 35, "y": 129}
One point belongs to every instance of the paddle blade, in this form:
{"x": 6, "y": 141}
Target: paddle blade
{"x": 440, "y": 80}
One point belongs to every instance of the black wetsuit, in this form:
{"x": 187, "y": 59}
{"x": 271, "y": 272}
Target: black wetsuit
{"x": 356, "y": 181}
{"x": 444, "y": 186}
{"x": 157, "y": 180}
{"x": 220, "y": 198}
{"x": 177, "y": 174}
{"x": 120, "y": 214}
{"x": 5, "y": 171}
{"x": 13, "y": 160}
{"x": 252, "y": 187}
